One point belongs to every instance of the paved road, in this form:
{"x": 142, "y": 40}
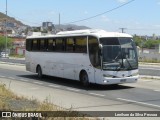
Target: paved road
{"x": 119, "y": 93}
{"x": 141, "y": 96}
{"x": 149, "y": 70}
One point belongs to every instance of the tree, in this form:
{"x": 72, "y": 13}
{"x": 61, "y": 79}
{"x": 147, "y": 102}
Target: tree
{"x": 138, "y": 41}
{"x": 142, "y": 43}
{"x": 3, "y": 43}
{"x": 151, "y": 43}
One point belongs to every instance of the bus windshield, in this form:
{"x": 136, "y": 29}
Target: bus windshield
{"x": 119, "y": 54}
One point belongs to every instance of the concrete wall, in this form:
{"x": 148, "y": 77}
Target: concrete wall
{"x": 149, "y": 56}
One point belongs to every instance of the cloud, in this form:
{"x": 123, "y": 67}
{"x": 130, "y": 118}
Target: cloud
{"x": 158, "y": 2}
{"x": 105, "y": 19}
{"x": 51, "y": 13}
{"x": 122, "y": 1}
{"x": 85, "y": 12}
{"x": 157, "y": 26}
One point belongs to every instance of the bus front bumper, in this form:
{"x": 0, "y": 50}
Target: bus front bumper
{"x": 110, "y": 81}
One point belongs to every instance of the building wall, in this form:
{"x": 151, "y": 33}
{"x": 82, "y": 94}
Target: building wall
{"x": 20, "y": 51}
{"x": 151, "y": 56}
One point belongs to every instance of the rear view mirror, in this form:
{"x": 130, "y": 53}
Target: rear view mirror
{"x": 100, "y": 46}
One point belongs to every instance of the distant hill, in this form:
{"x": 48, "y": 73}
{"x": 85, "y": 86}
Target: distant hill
{"x": 71, "y": 27}
{"x": 10, "y": 19}
{"x": 64, "y": 27}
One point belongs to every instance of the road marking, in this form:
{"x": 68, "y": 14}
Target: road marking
{"x": 23, "y": 80}
{"x": 33, "y": 88}
{"x": 97, "y": 94}
{"x": 149, "y": 68}
{"x": 157, "y": 90}
{"x": 38, "y": 83}
{"x": 147, "y": 80}
{"x": 55, "y": 86}
{"x": 2, "y": 76}
{"x": 11, "y": 78}
{"x": 127, "y": 100}
{"x": 72, "y": 89}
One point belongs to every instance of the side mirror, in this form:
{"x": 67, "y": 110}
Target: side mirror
{"x": 100, "y": 46}
{"x": 100, "y": 49}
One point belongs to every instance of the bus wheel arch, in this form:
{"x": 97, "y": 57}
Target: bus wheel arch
{"x": 39, "y": 71}
{"x": 83, "y": 77}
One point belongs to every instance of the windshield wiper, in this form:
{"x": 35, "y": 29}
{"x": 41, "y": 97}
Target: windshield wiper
{"x": 120, "y": 64}
{"x": 119, "y": 53}
{"x": 128, "y": 62}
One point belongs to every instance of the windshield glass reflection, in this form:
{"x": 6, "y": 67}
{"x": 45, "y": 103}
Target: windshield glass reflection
{"x": 119, "y": 54}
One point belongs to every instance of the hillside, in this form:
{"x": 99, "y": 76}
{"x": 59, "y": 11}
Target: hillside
{"x": 10, "y": 19}
{"x": 64, "y": 27}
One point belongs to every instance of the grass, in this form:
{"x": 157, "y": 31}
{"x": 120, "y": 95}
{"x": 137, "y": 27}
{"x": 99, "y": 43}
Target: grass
{"x": 17, "y": 56}
{"x": 11, "y": 102}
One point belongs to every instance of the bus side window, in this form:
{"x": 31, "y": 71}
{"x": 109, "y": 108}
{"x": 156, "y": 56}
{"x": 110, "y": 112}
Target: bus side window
{"x": 28, "y": 45}
{"x": 51, "y": 45}
{"x": 42, "y": 45}
{"x": 94, "y": 51}
{"x": 70, "y": 45}
{"x": 81, "y": 45}
{"x": 35, "y": 45}
{"x": 59, "y": 45}
{"x": 64, "y": 44}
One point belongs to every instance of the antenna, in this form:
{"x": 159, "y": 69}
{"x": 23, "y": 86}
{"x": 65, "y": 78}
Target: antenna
{"x": 122, "y": 29}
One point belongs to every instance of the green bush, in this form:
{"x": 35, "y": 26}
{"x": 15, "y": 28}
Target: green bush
{"x": 3, "y": 43}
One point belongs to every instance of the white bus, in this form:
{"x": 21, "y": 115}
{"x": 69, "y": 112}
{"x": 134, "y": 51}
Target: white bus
{"x": 88, "y": 56}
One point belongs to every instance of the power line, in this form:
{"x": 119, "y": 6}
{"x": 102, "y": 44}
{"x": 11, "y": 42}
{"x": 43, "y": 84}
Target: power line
{"x": 146, "y": 29}
{"x": 84, "y": 18}
{"x": 101, "y": 13}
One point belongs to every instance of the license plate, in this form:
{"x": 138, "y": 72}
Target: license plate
{"x": 123, "y": 80}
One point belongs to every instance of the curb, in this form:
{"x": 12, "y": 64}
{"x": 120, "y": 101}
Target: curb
{"x": 145, "y": 63}
{"x": 9, "y": 63}
{"x": 149, "y": 77}
{"x": 14, "y": 58}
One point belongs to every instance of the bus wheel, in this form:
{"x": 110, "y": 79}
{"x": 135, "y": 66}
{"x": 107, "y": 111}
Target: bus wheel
{"x": 84, "y": 79}
{"x": 39, "y": 71}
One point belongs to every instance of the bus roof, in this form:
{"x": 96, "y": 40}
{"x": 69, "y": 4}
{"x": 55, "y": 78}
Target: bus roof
{"x": 93, "y": 32}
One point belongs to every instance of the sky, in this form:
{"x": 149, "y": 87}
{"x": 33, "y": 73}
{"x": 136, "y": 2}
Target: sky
{"x": 141, "y": 17}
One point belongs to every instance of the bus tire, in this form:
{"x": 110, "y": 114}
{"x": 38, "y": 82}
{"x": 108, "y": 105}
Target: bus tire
{"x": 39, "y": 71}
{"x": 84, "y": 79}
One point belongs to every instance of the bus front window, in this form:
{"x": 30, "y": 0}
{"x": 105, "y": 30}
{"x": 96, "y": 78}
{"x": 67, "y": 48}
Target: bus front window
{"x": 119, "y": 54}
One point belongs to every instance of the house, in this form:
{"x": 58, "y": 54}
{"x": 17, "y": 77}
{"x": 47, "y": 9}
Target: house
{"x": 18, "y": 46}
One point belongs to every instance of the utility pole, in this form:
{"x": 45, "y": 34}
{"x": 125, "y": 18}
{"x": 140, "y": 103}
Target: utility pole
{"x": 122, "y": 29}
{"x": 6, "y": 32}
{"x": 59, "y": 21}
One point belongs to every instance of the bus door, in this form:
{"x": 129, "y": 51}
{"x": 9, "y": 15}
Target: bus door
{"x": 95, "y": 68}
{"x": 98, "y": 75}
{"x": 94, "y": 56}
{"x": 95, "y": 74}
{"x": 91, "y": 74}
